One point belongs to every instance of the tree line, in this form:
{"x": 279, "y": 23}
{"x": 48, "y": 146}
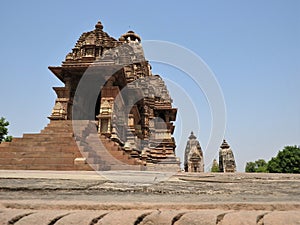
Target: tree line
{"x": 286, "y": 161}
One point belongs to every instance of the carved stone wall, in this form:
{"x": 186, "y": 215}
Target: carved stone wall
{"x": 193, "y": 158}
{"x": 226, "y": 159}
{"x": 134, "y": 108}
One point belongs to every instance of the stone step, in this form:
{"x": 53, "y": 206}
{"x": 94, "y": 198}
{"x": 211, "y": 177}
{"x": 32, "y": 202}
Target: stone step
{"x": 41, "y": 136}
{"x": 113, "y": 159}
{"x": 55, "y": 148}
{"x": 44, "y": 149}
{"x": 61, "y": 128}
{"x": 115, "y": 166}
{"x": 100, "y": 167}
{"x": 37, "y": 154}
{"x": 37, "y": 161}
{"x": 62, "y": 167}
{"x": 4, "y": 144}
{"x": 32, "y": 143}
{"x": 126, "y": 167}
{"x": 51, "y": 167}
{"x": 56, "y": 130}
{"x": 104, "y": 152}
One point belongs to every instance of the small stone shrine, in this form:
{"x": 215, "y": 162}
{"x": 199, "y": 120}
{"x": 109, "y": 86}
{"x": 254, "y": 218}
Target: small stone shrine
{"x": 193, "y": 157}
{"x": 226, "y": 159}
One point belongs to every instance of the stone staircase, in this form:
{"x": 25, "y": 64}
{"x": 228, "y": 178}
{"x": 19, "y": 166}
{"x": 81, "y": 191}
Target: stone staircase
{"x": 53, "y": 148}
{"x": 56, "y": 148}
{"x": 102, "y": 153}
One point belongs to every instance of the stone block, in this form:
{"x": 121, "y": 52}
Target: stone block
{"x": 282, "y": 218}
{"x": 201, "y": 217}
{"x": 161, "y": 217}
{"x": 241, "y": 217}
{"x": 80, "y": 161}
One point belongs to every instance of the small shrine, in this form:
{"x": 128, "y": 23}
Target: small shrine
{"x": 193, "y": 157}
{"x": 226, "y": 159}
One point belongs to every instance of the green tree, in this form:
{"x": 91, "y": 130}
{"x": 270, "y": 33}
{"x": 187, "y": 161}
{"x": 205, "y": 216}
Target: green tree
{"x": 259, "y": 166}
{"x": 215, "y": 167}
{"x": 250, "y": 167}
{"x": 4, "y": 130}
{"x": 286, "y": 161}
{"x": 8, "y": 138}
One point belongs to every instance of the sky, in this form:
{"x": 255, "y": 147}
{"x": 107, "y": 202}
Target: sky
{"x": 252, "y": 48}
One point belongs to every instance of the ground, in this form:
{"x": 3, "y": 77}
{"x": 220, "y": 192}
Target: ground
{"x": 48, "y": 197}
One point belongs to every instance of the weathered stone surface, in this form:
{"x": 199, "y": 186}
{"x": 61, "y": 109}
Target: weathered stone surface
{"x": 193, "y": 155}
{"x": 242, "y": 217}
{"x": 10, "y": 216}
{"x": 124, "y": 217}
{"x": 200, "y": 217}
{"x": 82, "y": 217}
{"x": 186, "y": 198}
{"x": 164, "y": 217}
{"x": 281, "y": 218}
{"x": 182, "y": 187}
{"x": 42, "y": 217}
{"x": 147, "y": 217}
{"x": 226, "y": 159}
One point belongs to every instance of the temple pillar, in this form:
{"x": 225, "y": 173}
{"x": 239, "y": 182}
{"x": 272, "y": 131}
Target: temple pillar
{"x": 61, "y": 108}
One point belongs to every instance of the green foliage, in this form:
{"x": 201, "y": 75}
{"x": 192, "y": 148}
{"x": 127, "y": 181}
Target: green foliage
{"x": 8, "y": 139}
{"x": 250, "y": 167}
{"x": 215, "y": 167}
{"x": 286, "y": 161}
{"x": 259, "y": 166}
{"x": 4, "y": 130}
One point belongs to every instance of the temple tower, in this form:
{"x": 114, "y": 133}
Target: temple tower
{"x": 123, "y": 104}
{"x": 133, "y": 107}
{"x": 226, "y": 159}
{"x": 193, "y": 157}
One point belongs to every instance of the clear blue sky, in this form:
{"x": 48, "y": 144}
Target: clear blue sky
{"x": 253, "y": 48}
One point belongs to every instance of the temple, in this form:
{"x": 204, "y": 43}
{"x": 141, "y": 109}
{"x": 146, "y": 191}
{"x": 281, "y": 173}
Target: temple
{"x": 111, "y": 113}
{"x": 193, "y": 157}
{"x": 226, "y": 159}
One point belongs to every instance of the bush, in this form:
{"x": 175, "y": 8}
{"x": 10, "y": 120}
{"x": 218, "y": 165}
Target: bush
{"x": 259, "y": 166}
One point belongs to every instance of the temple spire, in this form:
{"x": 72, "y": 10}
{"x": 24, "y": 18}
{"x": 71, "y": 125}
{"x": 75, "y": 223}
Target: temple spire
{"x": 99, "y": 25}
{"x": 193, "y": 157}
{"x": 226, "y": 158}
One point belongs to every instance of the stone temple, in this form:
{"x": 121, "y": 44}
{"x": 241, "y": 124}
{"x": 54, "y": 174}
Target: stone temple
{"x": 194, "y": 160}
{"x": 193, "y": 156}
{"x": 111, "y": 113}
{"x": 226, "y": 159}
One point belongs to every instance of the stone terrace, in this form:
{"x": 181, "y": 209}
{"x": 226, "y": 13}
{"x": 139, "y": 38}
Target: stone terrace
{"x": 48, "y": 197}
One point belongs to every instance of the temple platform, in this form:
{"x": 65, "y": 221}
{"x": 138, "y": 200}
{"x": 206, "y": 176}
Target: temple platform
{"x": 85, "y": 197}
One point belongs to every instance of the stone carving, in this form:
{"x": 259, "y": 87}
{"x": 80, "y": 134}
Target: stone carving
{"x": 140, "y": 118}
{"x": 193, "y": 158}
{"x": 226, "y": 159}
